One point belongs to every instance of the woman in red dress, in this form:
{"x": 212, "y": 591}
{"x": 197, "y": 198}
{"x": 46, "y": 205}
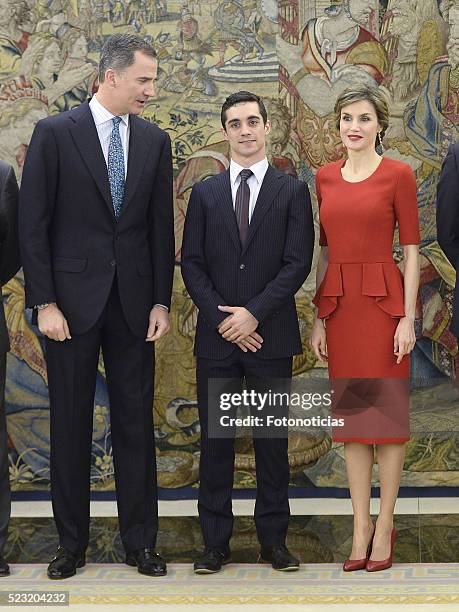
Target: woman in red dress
{"x": 365, "y": 319}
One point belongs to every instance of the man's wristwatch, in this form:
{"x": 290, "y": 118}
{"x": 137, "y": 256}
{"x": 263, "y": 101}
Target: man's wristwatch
{"x": 41, "y": 306}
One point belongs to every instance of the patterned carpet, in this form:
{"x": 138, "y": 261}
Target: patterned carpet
{"x": 111, "y": 584}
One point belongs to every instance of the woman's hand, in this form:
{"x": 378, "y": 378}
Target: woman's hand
{"x": 318, "y": 341}
{"x": 404, "y": 338}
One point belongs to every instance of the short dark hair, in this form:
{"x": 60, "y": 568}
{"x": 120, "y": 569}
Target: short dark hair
{"x": 119, "y": 50}
{"x": 240, "y": 97}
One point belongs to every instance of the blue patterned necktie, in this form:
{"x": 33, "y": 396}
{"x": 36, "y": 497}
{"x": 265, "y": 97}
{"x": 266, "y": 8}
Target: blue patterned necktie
{"x": 116, "y": 167}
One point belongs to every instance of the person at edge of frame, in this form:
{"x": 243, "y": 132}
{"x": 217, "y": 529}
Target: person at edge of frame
{"x": 448, "y": 220}
{"x": 9, "y": 264}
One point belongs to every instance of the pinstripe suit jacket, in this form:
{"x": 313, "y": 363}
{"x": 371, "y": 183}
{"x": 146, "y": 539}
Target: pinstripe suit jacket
{"x": 71, "y": 244}
{"x": 448, "y": 220}
{"x": 263, "y": 276}
{"x": 9, "y": 241}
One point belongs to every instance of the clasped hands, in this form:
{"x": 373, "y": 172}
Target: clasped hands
{"x": 239, "y": 328}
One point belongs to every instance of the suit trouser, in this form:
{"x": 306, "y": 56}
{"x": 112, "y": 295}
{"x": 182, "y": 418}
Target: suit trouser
{"x": 5, "y": 495}
{"x": 216, "y": 470}
{"x": 129, "y": 368}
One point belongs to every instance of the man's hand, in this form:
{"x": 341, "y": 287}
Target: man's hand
{"x": 158, "y": 324}
{"x": 239, "y": 325}
{"x": 53, "y": 324}
{"x": 251, "y": 343}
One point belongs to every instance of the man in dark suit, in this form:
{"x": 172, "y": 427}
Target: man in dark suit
{"x": 247, "y": 249}
{"x": 96, "y": 226}
{"x": 448, "y": 220}
{"x": 9, "y": 265}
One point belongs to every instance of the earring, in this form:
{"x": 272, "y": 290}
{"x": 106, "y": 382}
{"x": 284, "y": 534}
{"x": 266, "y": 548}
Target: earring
{"x": 380, "y": 140}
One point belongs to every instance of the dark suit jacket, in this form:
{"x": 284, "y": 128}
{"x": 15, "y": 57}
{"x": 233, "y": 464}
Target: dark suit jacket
{"x": 263, "y": 277}
{"x": 9, "y": 243}
{"x": 448, "y": 220}
{"x": 72, "y": 245}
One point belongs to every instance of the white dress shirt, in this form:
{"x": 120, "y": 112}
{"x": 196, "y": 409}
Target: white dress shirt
{"x": 254, "y": 182}
{"x": 104, "y": 125}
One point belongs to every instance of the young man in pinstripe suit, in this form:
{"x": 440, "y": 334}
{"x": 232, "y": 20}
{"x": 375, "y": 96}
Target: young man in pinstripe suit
{"x": 247, "y": 249}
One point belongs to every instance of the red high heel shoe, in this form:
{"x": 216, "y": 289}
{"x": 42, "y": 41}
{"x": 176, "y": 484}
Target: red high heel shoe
{"x": 376, "y": 566}
{"x": 351, "y": 565}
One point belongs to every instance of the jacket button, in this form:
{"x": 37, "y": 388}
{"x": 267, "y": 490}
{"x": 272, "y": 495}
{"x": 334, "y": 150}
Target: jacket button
{"x": 113, "y": 263}
{"x": 242, "y": 267}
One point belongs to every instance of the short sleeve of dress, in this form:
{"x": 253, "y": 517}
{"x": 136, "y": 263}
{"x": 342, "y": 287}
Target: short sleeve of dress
{"x": 322, "y": 237}
{"x": 406, "y": 207}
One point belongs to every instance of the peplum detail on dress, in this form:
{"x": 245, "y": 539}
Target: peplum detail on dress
{"x": 326, "y": 298}
{"x": 381, "y": 280}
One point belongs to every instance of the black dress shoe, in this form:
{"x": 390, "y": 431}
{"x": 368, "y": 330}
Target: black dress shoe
{"x": 4, "y": 567}
{"x": 211, "y": 561}
{"x": 148, "y": 562}
{"x": 280, "y": 558}
{"x": 65, "y": 564}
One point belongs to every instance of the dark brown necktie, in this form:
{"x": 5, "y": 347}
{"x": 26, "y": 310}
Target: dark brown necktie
{"x": 241, "y": 207}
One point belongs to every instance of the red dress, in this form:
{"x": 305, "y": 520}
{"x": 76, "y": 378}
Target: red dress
{"x": 361, "y": 298}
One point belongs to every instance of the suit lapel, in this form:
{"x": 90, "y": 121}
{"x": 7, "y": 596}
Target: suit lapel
{"x": 272, "y": 182}
{"x": 222, "y": 192}
{"x": 139, "y": 146}
{"x": 86, "y": 139}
